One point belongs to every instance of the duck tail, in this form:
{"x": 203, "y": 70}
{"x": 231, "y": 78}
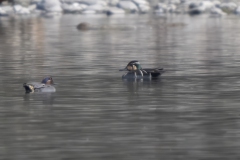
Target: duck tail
{"x": 28, "y": 88}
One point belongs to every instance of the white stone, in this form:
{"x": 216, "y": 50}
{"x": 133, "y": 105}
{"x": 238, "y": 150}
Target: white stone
{"x": 217, "y": 12}
{"x": 128, "y": 6}
{"x": 32, "y": 7}
{"x": 72, "y": 8}
{"x": 21, "y": 10}
{"x": 228, "y": 7}
{"x": 8, "y": 9}
{"x": 238, "y": 10}
{"x": 144, "y": 8}
{"x": 51, "y": 5}
{"x": 207, "y": 5}
{"x": 89, "y": 2}
{"x": 97, "y": 7}
{"x": 113, "y": 2}
{"x": 175, "y": 2}
{"x": 140, "y": 2}
{"x": 3, "y": 12}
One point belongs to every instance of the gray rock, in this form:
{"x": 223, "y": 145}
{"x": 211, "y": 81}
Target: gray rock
{"x": 143, "y": 5}
{"x": 161, "y": 8}
{"x": 83, "y": 26}
{"x": 140, "y": 2}
{"x": 114, "y": 10}
{"x": 113, "y": 2}
{"x": 175, "y": 2}
{"x": 72, "y": 8}
{"x": 228, "y": 7}
{"x": 200, "y": 7}
{"x": 217, "y": 12}
{"x": 51, "y": 5}
{"x": 3, "y": 12}
{"x": 144, "y": 8}
{"x": 98, "y": 8}
{"x": 171, "y": 8}
{"x": 238, "y": 10}
{"x": 217, "y": 3}
{"x": 89, "y": 2}
{"x": 8, "y": 10}
{"x": 24, "y": 3}
{"x": 128, "y": 6}
{"x": 32, "y": 7}
{"x": 21, "y": 10}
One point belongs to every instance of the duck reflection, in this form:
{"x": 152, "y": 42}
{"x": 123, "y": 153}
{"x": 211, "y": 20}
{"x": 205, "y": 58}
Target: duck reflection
{"x": 138, "y": 84}
{"x": 44, "y": 98}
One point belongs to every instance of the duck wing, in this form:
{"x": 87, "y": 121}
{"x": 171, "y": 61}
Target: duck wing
{"x": 155, "y": 72}
{"x": 37, "y": 85}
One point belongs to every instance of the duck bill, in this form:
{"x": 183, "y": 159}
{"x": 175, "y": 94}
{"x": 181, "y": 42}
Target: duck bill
{"x": 124, "y": 69}
{"x": 28, "y": 88}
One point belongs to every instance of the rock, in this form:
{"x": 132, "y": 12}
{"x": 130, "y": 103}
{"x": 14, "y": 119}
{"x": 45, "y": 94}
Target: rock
{"x": 89, "y": 2}
{"x": 128, "y": 6}
{"x": 21, "y": 10}
{"x": 51, "y": 5}
{"x": 143, "y": 5}
{"x": 171, "y": 8}
{"x": 207, "y": 5}
{"x": 217, "y": 3}
{"x": 144, "y": 8}
{"x": 192, "y": 4}
{"x": 113, "y": 2}
{"x": 217, "y": 12}
{"x": 72, "y": 8}
{"x": 3, "y": 12}
{"x": 229, "y": 7}
{"x": 83, "y": 26}
{"x": 97, "y": 8}
{"x": 8, "y": 10}
{"x": 197, "y": 10}
{"x": 200, "y": 7}
{"x": 114, "y": 10}
{"x": 160, "y": 8}
{"x": 140, "y": 2}
{"x": 175, "y": 2}
{"x": 238, "y": 10}
{"x": 32, "y": 7}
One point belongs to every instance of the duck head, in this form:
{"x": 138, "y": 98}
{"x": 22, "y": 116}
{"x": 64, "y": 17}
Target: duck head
{"x": 28, "y": 87}
{"x": 132, "y": 66}
{"x": 47, "y": 80}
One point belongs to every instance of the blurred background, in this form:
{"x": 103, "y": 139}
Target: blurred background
{"x": 190, "y": 112}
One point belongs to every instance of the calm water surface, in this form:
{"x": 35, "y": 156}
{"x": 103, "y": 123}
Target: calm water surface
{"x": 191, "y": 112}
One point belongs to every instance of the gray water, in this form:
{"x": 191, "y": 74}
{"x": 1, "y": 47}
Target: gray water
{"x": 191, "y": 112}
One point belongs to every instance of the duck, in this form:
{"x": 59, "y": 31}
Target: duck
{"x": 46, "y": 85}
{"x": 136, "y": 71}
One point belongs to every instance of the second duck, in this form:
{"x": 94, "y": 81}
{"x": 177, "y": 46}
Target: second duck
{"x": 136, "y": 71}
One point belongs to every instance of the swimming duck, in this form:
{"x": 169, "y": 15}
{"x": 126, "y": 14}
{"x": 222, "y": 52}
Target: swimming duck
{"x": 136, "y": 71}
{"x": 46, "y": 85}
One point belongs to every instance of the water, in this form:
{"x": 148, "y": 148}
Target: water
{"x": 191, "y": 112}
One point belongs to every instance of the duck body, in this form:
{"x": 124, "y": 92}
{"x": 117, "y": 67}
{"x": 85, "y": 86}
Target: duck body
{"x": 45, "y": 86}
{"x": 136, "y": 71}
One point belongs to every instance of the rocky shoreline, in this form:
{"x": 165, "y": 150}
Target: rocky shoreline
{"x": 113, "y": 7}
